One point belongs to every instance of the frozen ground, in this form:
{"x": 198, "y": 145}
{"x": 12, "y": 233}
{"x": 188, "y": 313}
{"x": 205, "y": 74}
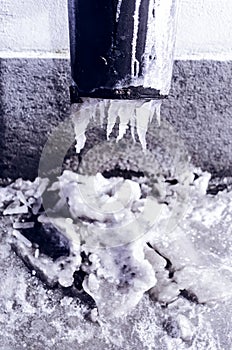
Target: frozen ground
{"x": 36, "y": 317}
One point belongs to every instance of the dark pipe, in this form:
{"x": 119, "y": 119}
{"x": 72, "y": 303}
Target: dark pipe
{"x": 101, "y": 49}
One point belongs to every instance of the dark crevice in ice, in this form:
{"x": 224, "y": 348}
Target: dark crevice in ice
{"x": 79, "y": 277}
{"x": 49, "y": 239}
{"x": 214, "y": 189}
{"x": 168, "y": 266}
{"x": 126, "y": 174}
{"x": 172, "y": 181}
{"x": 189, "y": 296}
{"x": 82, "y": 296}
{"x": 196, "y": 176}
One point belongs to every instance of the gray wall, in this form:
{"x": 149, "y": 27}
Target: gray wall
{"x": 200, "y": 108}
{"x": 34, "y": 97}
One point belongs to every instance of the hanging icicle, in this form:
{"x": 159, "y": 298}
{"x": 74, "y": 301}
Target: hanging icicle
{"x": 135, "y": 114}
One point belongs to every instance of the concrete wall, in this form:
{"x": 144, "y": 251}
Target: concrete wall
{"x": 34, "y": 93}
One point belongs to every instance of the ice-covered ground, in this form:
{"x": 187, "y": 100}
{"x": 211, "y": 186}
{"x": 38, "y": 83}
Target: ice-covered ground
{"x": 189, "y": 309}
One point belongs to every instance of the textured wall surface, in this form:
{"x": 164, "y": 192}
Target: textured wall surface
{"x": 32, "y": 28}
{"x": 200, "y": 108}
{"x": 34, "y": 98}
{"x": 204, "y": 30}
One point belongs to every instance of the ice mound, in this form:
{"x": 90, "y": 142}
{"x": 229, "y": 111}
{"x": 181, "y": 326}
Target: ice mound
{"x": 120, "y": 239}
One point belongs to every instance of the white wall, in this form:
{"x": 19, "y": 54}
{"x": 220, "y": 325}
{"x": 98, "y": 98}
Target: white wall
{"x": 204, "y": 29}
{"x": 32, "y": 28}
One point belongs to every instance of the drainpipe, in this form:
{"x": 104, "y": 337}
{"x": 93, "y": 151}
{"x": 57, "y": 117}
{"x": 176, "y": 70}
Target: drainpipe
{"x": 121, "y": 49}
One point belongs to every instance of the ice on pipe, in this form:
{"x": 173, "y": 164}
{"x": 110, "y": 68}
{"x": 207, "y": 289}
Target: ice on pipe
{"x": 112, "y": 116}
{"x": 159, "y": 48}
{"x": 136, "y": 114}
{"x": 143, "y": 117}
{"x": 157, "y": 63}
{"x": 118, "y": 9}
{"x": 134, "y": 62}
{"x": 125, "y": 114}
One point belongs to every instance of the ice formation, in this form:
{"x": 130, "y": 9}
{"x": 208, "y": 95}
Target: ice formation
{"x": 118, "y": 9}
{"x": 135, "y": 113}
{"x": 158, "y": 52}
{"x": 134, "y": 61}
{"x": 157, "y": 62}
{"x": 120, "y": 239}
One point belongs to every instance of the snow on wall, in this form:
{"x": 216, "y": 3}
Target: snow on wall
{"x": 40, "y": 29}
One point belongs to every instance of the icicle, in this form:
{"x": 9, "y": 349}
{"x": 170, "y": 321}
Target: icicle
{"x": 142, "y": 120}
{"x": 112, "y": 117}
{"x": 155, "y": 110}
{"x": 136, "y": 113}
{"x": 127, "y": 116}
{"x": 81, "y": 120}
{"x": 124, "y": 113}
